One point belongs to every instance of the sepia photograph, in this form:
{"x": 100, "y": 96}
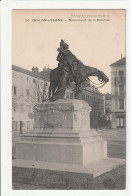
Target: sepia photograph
{"x": 68, "y": 99}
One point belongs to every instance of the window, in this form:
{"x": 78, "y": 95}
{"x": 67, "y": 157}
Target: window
{"x": 28, "y": 124}
{"x": 22, "y": 108}
{"x": 67, "y": 95}
{"x": 115, "y": 79}
{"x": 27, "y": 92}
{"x": 14, "y": 126}
{"x": 117, "y": 122}
{"x": 21, "y": 92}
{"x": 83, "y": 97}
{"x": 120, "y": 122}
{"x": 16, "y": 108}
{"x": 121, "y": 75}
{"x": 121, "y": 89}
{"x": 121, "y": 103}
{"x": 86, "y": 98}
{"x": 92, "y": 99}
{"x": 28, "y": 108}
{"x": 102, "y": 110}
{"x": 71, "y": 96}
{"x": 14, "y": 90}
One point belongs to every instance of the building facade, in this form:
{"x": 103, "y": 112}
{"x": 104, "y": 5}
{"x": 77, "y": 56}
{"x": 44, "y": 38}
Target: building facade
{"x": 96, "y": 100}
{"x": 118, "y": 91}
{"x": 28, "y": 88}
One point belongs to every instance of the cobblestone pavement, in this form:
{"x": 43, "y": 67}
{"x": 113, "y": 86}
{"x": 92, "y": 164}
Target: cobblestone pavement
{"x": 21, "y": 186}
{"x": 113, "y": 180}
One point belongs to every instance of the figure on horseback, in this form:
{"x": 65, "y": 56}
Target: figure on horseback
{"x": 70, "y": 69}
{"x": 63, "y": 73}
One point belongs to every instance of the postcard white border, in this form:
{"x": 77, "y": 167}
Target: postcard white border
{"x": 6, "y": 161}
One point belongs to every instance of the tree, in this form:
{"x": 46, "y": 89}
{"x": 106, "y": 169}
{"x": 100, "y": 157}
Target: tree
{"x": 39, "y": 93}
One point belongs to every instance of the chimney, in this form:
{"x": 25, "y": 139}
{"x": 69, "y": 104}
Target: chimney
{"x": 35, "y": 70}
{"x": 121, "y": 56}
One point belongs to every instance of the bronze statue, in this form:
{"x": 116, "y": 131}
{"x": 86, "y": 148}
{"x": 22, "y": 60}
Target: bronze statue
{"x": 70, "y": 69}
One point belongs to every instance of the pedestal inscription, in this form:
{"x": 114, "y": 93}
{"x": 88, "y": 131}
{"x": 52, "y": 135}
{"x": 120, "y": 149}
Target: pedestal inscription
{"x": 63, "y": 113}
{"x": 54, "y": 118}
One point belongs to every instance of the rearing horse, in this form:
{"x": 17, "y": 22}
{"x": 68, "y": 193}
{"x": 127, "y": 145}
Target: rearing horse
{"x": 82, "y": 73}
{"x": 70, "y": 69}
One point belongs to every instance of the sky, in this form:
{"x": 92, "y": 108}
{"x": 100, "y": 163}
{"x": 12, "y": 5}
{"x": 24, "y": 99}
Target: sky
{"x": 96, "y": 37}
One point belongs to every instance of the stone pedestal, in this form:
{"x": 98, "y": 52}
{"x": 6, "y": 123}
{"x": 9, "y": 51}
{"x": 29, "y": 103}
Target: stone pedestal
{"x": 62, "y": 135}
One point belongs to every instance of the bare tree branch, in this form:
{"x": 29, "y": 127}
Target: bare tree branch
{"x": 38, "y": 94}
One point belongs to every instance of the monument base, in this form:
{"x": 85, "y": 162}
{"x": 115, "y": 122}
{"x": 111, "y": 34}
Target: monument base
{"x": 103, "y": 174}
{"x": 58, "y": 148}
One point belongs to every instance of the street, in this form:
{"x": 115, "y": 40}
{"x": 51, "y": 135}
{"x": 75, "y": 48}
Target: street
{"x": 116, "y": 142}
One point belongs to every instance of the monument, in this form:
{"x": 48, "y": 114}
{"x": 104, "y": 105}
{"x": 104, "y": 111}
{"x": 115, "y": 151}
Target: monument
{"x": 70, "y": 69}
{"x": 62, "y": 135}
{"x": 62, "y": 151}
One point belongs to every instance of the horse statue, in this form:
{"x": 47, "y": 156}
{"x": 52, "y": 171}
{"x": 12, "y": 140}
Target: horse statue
{"x": 70, "y": 69}
{"x": 82, "y": 75}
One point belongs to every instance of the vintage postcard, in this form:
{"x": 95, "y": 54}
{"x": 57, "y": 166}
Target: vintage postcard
{"x": 68, "y": 99}
{"x": 64, "y": 113}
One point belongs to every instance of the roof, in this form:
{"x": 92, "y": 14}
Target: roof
{"x": 108, "y": 96}
{"x": 45, "y": 73}
{"x": 120, "y": 62}
{"x": 27, "y": 72}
